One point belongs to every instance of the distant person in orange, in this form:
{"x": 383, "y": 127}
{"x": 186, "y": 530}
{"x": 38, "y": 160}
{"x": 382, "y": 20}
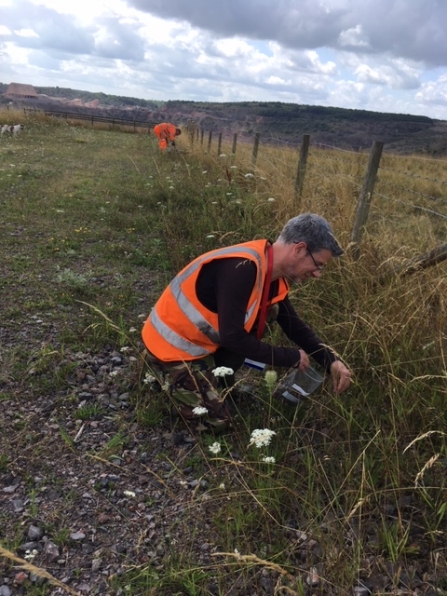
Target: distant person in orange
{"x": 166, "y": 132}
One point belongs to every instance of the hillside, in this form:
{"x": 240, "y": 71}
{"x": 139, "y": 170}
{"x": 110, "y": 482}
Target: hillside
{"x": 278, "y": 122}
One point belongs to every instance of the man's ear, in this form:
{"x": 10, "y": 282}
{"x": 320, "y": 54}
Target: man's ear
{"x": 299, "y": 247}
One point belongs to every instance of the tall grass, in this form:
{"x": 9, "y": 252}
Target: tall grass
{"x": 101, "y": 218}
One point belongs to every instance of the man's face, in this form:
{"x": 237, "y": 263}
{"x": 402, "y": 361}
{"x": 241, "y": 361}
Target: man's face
{"x": 302, "y": 264}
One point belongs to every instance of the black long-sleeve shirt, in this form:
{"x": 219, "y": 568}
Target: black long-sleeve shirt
{"x": 224, "y": 286}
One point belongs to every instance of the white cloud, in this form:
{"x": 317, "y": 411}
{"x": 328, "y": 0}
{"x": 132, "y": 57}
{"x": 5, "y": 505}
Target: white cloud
{"x": 26, "y": 33}
{"x": 353, "y": 37}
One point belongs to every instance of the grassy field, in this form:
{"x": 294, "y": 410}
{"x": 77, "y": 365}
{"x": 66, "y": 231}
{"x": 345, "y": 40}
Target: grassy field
{"x": 95, "y": 222}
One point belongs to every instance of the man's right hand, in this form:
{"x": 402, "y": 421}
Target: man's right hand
{"x": 304, "y": 363}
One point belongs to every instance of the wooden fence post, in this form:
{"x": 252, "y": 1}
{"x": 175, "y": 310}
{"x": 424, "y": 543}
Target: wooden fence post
{"x": 233, "y": 148}
{"x": 366, "y": 193}
{"x": 201, "y": 136}
{"x": 255, "y": 149}
{"x": 219, "y": 144}
{"x": 302, "y": 163}
{"x": 210, "y": 136}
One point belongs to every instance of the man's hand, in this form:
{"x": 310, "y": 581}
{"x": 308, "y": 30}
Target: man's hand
{"x": 341, "y": 377}
{"x": 303, "y": 364}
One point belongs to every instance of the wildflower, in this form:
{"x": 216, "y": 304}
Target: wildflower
{"x": 222, "y": 486}
{"x": 214, "y": 203}
{"x": 125, "y": 349}
{"x": 205, "y": 172}
{"x": 222, "y": 155}
{"x": 199, "y": 411}
{"x": 129, "y": 493}
{"x": 268, "y": 460}
{"x": 132, "y": 330}
{"x": 148, "y": 379}
{"x": 30, "y": 554}
{"x": 215, "y": 448}
{"x": 271, "y": 200}
{"x": 261, "y": 437}
{"x": 249, "y": 175}
{"x": 271, "y": 376}
{"x": 233, "y": 167}
{"x": 223, "y": 371}
{"x": 210, "y": 236}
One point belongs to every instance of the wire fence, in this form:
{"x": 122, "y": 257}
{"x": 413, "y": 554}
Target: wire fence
{"x": 418, "y": 184}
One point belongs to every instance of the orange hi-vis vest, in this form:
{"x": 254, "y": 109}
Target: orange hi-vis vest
{"x": 180, "y": 328}
{"x": 165, "y": 130}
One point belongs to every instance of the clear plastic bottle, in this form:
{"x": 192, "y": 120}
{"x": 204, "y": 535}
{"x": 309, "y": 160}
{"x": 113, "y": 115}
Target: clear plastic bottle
{"x": 297, "y": 385}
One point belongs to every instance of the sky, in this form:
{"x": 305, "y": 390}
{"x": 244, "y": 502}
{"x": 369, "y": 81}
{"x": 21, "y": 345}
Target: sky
{"x": 380, "y": 55}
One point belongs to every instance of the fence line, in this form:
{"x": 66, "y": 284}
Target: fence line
{"x": 437, "y": 181}
{"x": 411, "y": 205}
{"x": 92, "y": 118}
{"x": 351, "y": 179}
{"x": 416, "y": 192}
{"x": 367, "y": 189}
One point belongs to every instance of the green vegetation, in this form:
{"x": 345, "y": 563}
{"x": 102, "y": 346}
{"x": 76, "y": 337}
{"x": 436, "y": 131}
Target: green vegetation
{"x": 95, "y": 223}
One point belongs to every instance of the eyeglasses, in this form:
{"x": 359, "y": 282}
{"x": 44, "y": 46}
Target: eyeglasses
{"x": 317, "y": 266}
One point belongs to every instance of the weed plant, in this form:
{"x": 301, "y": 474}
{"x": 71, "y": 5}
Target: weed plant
{"x": 96, "y": 223}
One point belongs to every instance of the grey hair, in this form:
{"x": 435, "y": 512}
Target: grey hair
{"x": 312, "y": 229}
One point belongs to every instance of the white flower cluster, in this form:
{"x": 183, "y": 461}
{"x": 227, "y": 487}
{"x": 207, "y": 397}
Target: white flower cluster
{"x": 30, "y": 554}
{"x": 215, "y": 448}
{"x": 199, "y": 411}
{"x": 268, "y": 459}
{"x": 223, "y": 371}
{"x": 261, "y": 437}
{"x": 149, "y": 379}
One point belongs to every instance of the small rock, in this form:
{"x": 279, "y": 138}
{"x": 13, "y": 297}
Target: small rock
{"x": 34, "y": 533}
{"x": 51, "y": 549}
{"x": 18, "y": 505}
{"x": 77, "y": 535}
{"x": 5, "y": 591}
{"x": 313, "y": 579}
{"x": 361, "y": 590}
{"x": 20, "y": 577}
{"x": 9, "y": 489}
{"x": 28, "y": 546}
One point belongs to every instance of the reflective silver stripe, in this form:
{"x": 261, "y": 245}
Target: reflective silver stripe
{"x": 189, "y": 310}
{"x": 174, "y": 339}
{"x": 250, "y": 310}
{"x": 196, "y": 318}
